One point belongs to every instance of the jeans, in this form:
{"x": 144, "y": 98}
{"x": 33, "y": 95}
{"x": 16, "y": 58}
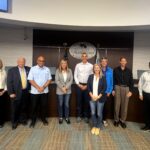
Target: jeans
{"x": 63, "y": 105}
{"x": 96, "y": 113}
{"x": 82, "y": 103}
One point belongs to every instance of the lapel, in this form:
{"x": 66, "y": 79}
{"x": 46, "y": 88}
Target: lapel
{"x": 18, "y": 73}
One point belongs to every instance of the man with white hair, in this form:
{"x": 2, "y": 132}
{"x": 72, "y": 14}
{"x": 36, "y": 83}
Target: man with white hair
{"x": 18, "y": 90}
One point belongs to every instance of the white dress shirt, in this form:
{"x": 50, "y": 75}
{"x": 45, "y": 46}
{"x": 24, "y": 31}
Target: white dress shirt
{"x": 82, "y": 72}
{"x": 144, "y": 83}
{"x": 95, "y": 86}
{"x": 40, "y": 75}
{"x": 3, "y": 79}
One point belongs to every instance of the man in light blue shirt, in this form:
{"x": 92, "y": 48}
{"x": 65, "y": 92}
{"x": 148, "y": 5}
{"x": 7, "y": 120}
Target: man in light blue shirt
{"x": 40, "y": 78}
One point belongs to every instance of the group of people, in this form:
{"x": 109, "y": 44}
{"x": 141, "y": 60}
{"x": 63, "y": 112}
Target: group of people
{"x": 94, "y": 85}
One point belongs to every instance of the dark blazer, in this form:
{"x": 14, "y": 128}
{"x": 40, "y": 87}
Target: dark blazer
{"x": 14, "y": 85}
{"x": 101, "y": 87}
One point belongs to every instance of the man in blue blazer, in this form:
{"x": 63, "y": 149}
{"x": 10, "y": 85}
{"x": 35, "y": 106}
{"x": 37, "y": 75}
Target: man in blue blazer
{"x": 18, "y": 90}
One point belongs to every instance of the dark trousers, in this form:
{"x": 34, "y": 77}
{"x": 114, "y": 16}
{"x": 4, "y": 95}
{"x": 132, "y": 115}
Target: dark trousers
{"x": 19, "y": 108}
{"x": 63, "y": 105}
{"x": 146, "y": 100}
{"x": 39, "y": 103}
{"x": 2, "y": 109}
{"x": 105, "y": 109}
{"x": 83, "y": 107}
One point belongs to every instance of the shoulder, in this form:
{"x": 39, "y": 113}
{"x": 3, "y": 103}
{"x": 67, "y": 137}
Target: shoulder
{"x": 91, "y": 65}
{"x": 69, "y": 70}
{"x": 109, "y": 69}
{"x": 91, "y": 76}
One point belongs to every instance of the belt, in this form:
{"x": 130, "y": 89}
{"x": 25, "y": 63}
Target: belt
{"x": 122, "y": 85}
{"x": 82, "y": 83}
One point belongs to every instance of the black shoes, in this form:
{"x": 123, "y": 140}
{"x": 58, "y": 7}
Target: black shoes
{"x": 123, "y": 125}
{"x": 1, "y": 125}
{"x": 14, "y": 126}
{"x": 60, "y": 120}
{"x": 67, "y": 120}
{"x": 116, "y": 123}
{"x": 86, "y": 120}
{"x": 32, "y": 124}
{"x": 145, "y": 128}
{"x": 45, "y": 122}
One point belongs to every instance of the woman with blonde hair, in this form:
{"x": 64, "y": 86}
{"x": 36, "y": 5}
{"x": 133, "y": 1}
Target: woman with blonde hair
{"x": 63, "y": 79}
{"x": 96, "y": 89}
{"x": 3, "y": 89}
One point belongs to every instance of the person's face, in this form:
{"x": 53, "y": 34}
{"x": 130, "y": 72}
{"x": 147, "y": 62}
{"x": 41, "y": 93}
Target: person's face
{"x": 41, "y": 61}
{"x": 84, "y": 58}
{"x": 104, "y": 62}
{"x": 123, "y": 62}
{"x": 63, "y": 65}
{"x": 1, "y": 64}
{"x": 21, "y": 62}
{"x": 96, "y": 69}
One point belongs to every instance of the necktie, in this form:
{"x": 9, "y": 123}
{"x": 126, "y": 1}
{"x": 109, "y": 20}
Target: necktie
{"x": 23, "y": 79}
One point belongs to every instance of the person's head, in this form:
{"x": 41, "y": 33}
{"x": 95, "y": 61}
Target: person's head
{"x": 104, "y": 62}
{"x": 63, "y": 65}
{"x": 1, "y": 64}
{"x": 21, "y": 62}
{"x": 97, "y": 70}
{"x": 41, "y": 61}
{"x": 84, "y": 57}
{"x": 123, "y": 62}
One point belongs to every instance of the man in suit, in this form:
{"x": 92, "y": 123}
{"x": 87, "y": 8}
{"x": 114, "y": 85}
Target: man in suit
{"x": 18, "y": 90}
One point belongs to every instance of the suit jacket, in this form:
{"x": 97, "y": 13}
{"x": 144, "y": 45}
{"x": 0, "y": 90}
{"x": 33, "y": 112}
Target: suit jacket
{"x": 101, "y": 86}
{"x": 14, "y": 85}
{"x": 60, "y": 81}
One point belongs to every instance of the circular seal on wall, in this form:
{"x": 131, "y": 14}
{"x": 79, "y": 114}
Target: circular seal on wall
{"x": 78, "y": 48}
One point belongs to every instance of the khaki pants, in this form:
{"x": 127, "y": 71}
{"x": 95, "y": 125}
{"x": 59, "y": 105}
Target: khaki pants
{"x": 121, "y": 103}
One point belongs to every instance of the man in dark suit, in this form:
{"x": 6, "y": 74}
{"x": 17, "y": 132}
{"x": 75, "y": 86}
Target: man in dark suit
{"x": 18, "y": 90}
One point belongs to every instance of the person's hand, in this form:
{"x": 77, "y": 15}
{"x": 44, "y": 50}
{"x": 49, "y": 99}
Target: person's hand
{"x": 84, "y": 87}
{"x": 94, "y": 98}
{"x": 12, "y": 95}
{"x": 64, "y": 89}
{"x": 141, "y": 98}
{"x": 40, "y": 89}
{"x": 129, "y": 94}
{"x": 80, "y": 86}
{"x": 108, "y": 94}
{"x": 113, "y": 93}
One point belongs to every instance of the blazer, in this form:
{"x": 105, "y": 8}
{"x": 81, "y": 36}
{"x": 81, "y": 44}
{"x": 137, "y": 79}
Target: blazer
{"x": 102, "y": 85}
{"x": 59, "y": 80}
{"x": 14, "y": 85}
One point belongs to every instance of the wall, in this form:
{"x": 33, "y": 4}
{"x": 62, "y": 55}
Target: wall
{"x": 13, "y": 45}
{"x": 141, "y": 51}
{"x": 81, "y": 13}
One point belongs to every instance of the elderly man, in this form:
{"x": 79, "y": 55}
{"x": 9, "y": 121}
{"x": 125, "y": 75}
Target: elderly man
{"x": 40, "y": 78}
{"x": 18, "y": 90}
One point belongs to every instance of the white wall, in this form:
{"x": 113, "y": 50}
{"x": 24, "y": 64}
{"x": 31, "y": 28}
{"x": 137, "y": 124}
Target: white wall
{"x": 141, "y": 52}
{"x": 13, "y": 45}
{"x": 81, "y": 12}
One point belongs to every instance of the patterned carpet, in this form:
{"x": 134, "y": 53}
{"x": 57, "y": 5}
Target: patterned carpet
{"x": 76, "y": 136}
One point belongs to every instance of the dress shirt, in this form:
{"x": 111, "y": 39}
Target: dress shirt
{"x": 144, "y": 83}
{"x": 82, "y": 72}
{"x": 95, "y": 86}
{"x": 40, "y": 75}
{"x": 3, "y": 79}
{"x": 123, "y": 77}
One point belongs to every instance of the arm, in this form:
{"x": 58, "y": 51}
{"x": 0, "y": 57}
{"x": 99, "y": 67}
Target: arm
{"x": 76, "y": 75}
{"x": 57, "y": 80}
{"x": 140, "y": 87}
{"x": 68, "y": 85}
{"x": 104, "y": 86}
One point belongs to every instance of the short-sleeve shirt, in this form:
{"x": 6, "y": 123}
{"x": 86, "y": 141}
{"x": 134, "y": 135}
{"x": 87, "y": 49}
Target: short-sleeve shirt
{"x": 40, "y": 75}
